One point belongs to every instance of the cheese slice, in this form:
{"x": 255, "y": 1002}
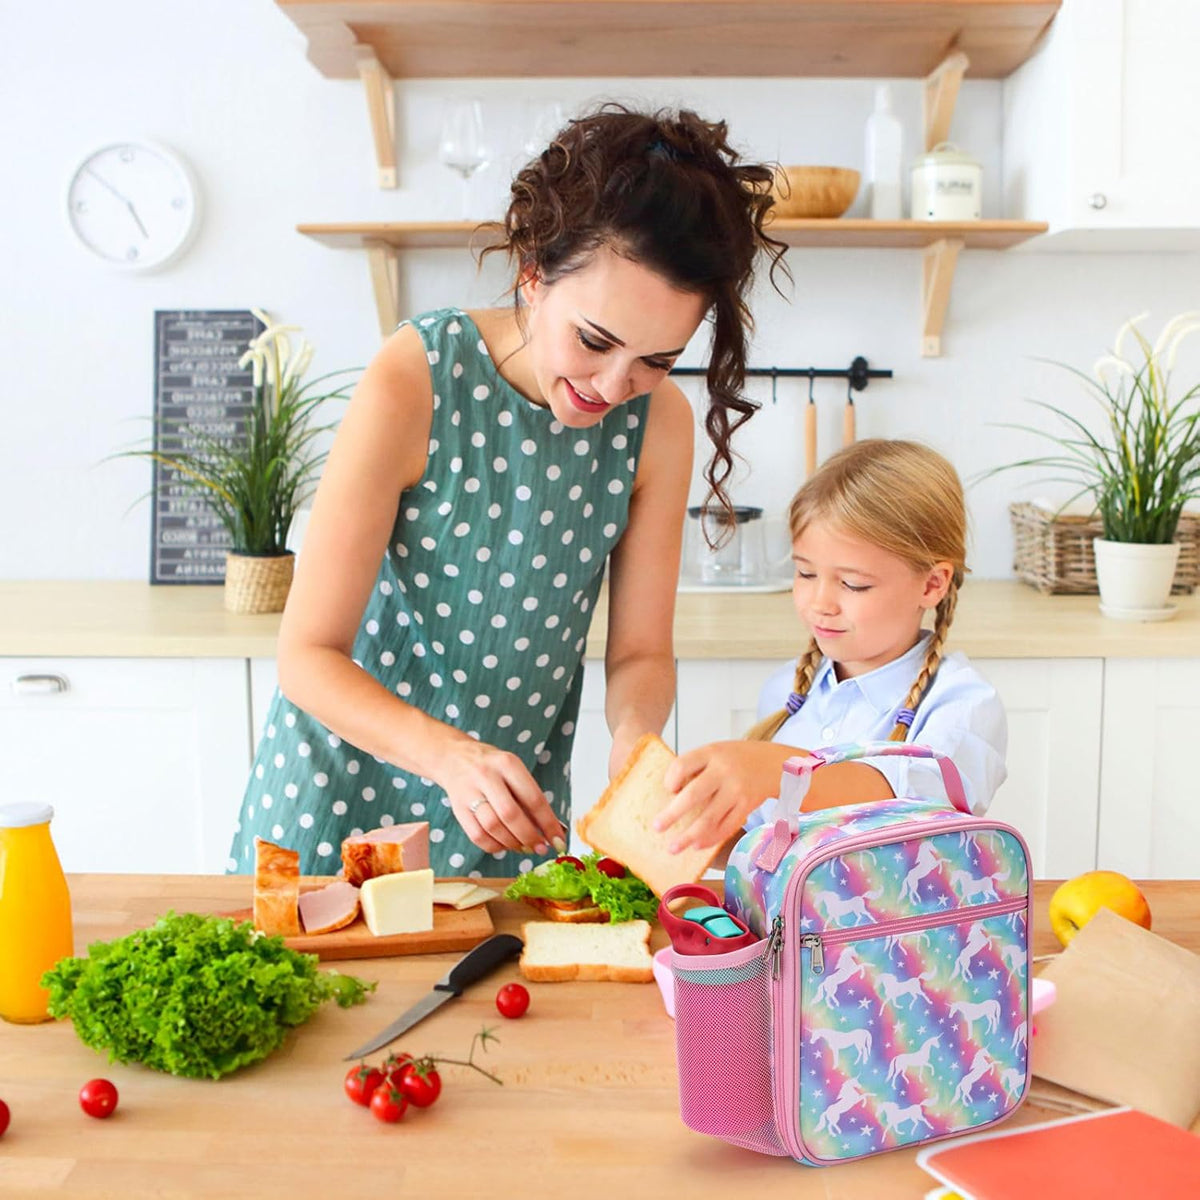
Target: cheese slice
{"x": 447, "y": 892}
{"x": 477, "y": 895}
{"x": 399, "y": 903}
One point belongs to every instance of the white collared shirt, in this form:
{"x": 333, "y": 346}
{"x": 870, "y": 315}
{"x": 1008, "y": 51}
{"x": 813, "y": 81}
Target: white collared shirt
{"x": 960, "y": 716}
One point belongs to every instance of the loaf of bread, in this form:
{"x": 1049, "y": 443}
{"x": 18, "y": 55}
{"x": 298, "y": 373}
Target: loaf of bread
{"x": 621, "y": 822}
{"x": 557, "y": 952}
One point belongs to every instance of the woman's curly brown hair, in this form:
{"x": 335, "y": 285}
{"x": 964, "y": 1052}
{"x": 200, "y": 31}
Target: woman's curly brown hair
{"x": 668, "y": 191}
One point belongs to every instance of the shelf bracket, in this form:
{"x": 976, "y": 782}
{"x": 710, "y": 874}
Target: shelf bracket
{"x": 938, "y": 275}
{"x": 384, "y": 261}
{"x": 940, "y": 94}
{"x": 381, "y": 106}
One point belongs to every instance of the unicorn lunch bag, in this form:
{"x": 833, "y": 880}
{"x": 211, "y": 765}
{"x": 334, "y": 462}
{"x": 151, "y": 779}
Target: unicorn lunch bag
{"x": 878, "y": 994}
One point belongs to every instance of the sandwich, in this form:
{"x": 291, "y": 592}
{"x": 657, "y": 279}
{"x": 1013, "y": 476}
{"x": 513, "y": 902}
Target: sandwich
{"x": 588, "y": 889}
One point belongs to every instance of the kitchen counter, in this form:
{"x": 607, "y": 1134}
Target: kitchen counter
{"x": 995, "y": 619}
{"x": 588, "y": 1104}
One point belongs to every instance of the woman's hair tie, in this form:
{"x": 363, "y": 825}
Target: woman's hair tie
{"x": 905, "y": 717}
{"x": 793, "y": 703}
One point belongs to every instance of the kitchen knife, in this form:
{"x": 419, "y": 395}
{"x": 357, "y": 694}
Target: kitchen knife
{"x": 469, "y": 969}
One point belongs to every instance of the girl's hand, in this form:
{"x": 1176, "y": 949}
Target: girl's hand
{"x": 717, "y": 787}
{"x": 496, "y": 801}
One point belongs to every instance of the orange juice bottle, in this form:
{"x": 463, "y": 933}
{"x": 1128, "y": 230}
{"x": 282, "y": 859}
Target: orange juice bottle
{"x": 35, "y": 911}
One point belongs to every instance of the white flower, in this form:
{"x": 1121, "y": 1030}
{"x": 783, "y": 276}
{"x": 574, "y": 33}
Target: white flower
{"x": 1174, "y": 328}
{"x": 1125, "y": 329}
{"x": 1111, "y": 362}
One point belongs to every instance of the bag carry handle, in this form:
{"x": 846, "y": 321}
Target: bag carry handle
{"x": 691, "y": 935}
{"x": 797, "y": 777}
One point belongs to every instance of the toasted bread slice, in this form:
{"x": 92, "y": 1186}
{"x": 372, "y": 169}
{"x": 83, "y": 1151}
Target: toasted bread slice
{"x": 621, "y": 823}
{"x": 556, "y": 953}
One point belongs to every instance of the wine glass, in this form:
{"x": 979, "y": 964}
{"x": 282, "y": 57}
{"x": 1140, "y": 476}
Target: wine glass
{"x": 542, "y": 120}
{"x": 462, "y": 147}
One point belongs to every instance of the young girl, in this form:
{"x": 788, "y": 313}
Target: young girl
{"x": 879, "y": 540}
{"x": 487, "y": 467}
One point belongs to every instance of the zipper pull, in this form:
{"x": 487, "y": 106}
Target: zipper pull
{"x": 775, "y": 946}
{"x": 813, "y": 942}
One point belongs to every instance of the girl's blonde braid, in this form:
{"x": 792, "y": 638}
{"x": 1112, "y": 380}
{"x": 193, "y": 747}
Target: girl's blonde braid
{"x": 806, "y": 669}
{"x": 933, "y": 656}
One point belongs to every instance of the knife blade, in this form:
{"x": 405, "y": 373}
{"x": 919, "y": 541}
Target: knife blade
{"x": 469, "y": 969}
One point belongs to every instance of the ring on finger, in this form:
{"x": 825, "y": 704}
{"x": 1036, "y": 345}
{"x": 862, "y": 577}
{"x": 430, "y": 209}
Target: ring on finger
{"x": 473, "y": 807}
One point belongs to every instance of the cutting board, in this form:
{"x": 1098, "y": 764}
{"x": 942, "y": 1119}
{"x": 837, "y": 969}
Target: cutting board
{"x": 453, "y": 929}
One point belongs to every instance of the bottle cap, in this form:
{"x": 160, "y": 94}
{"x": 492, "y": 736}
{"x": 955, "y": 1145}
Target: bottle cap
{"x": 18, "y": 816}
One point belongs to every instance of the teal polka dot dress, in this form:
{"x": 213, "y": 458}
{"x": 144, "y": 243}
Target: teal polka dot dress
{"x": 479, "y": 614}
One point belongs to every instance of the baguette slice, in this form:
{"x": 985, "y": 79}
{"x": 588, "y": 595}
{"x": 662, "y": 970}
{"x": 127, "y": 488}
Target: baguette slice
{"x": 621, "y": 823}
{"x": 556, "y": 953}
{"x": 276, "y": 889}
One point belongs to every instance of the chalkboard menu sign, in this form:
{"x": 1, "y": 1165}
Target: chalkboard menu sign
{"x": 200, "y": 393}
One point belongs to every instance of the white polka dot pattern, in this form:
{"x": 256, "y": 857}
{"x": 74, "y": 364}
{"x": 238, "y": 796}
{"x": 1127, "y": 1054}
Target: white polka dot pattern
{"x": 479, "y": 615}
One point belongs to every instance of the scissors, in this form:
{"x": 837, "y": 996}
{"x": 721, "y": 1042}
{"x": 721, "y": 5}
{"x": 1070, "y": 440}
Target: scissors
{"x": 707, "y": 929}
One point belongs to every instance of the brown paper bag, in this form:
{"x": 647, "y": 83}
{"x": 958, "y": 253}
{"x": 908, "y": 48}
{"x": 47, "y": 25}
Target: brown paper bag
{"x": 1125, "y": 1025}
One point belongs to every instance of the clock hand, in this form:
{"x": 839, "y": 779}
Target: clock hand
{"x": 124, "y": 200}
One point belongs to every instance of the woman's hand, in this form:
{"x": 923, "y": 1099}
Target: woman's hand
{"x": 717, "y": 787}
{"x": 496, "y": 801}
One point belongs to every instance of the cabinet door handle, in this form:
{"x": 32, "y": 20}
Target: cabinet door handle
{"x": 40, "y": 685}
{"x": 1098, "y": 200}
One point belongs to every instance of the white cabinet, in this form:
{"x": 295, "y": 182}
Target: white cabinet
{"x": 1053, "y": 708}
{"x": 1051, "y": 793}
{"x": 1149, "y": 784}
{"x": 143, "y": 759}
{"x": 1101, "y": 127}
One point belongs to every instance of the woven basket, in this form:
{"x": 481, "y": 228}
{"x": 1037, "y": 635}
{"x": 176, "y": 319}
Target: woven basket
{"x": 1054, "y": 551}
{"x": 255, "y": 584}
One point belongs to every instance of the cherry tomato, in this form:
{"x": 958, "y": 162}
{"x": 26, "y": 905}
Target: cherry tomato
{"x": 98, "y": 1098}
{"x": 611, "y": 868}
{"x": 388, "y": 1104}
{"x": 393, "y": 1067}
{"x": 361, "y": 1082}
{"x": 577, "y": 863}
{"x": 4, "y": 1115}
{"x": 512, "y": 1000}
{"x": 422, "y": 1085}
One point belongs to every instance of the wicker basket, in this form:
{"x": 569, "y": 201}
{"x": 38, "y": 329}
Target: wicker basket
{"x": 255, "y": 584}
{"x": 1054, "y": 551}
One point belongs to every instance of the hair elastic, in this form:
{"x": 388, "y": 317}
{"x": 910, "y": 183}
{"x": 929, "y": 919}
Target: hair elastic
{"x": 905, "y": 717}
{"x": 793, "y": 703}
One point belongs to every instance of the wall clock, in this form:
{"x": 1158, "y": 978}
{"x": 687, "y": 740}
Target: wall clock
{"x": 133, "y": 204}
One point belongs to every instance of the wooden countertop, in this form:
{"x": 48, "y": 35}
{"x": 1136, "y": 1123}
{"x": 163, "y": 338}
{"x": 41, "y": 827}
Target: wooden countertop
{"x": 589, "y": 1097}
{"x": 996, "y": 619}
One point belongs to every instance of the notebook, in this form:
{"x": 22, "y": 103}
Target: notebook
{"x": 1119, "y": 1154}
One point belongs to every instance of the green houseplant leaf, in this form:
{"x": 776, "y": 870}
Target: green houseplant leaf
{"x": 1141, "y": 463}
{"x": 257, "y": 482}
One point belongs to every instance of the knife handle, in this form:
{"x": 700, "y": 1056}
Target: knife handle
{"x": 481, "y": 961}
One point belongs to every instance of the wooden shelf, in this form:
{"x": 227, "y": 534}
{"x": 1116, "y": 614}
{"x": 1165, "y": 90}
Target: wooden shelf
{"x": 941, "y": 242}
{"x": 440, "y": 39}
{"x": 844, "y": 232}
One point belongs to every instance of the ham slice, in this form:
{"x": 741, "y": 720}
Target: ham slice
{"x": 386, "y": 851}
{"x": 276, "y": 888}
{"x": 329, "y": 908}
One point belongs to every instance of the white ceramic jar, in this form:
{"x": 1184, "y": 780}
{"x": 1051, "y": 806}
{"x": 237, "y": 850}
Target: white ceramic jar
{"x": 947, "y": 185}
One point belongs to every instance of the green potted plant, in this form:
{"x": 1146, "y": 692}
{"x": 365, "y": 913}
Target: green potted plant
{"x": 256, "y": 484}
{"x": 1140, "y": 467}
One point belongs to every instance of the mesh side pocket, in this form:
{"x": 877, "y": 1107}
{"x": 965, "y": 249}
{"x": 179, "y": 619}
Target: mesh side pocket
{"x": 723, "y": 1037}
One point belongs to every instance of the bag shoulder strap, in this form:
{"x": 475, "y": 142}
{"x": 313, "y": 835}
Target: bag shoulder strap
{"x": 797, "y": 776}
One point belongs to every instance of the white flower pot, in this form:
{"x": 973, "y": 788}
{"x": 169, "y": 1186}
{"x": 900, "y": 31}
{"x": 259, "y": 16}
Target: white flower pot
{"x": 1135, "y": 578}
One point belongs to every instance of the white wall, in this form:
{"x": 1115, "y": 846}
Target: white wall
{"x": 226, "y": 83}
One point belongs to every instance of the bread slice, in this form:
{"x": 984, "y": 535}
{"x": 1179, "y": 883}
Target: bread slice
{"x": 621, "y": 823}
{"x": 276, "y": 888}
{"x": 556, "y": 953}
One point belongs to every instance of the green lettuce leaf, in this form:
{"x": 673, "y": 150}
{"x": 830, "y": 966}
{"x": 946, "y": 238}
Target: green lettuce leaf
{"x": 550, "y": 881}
{"x": 193, "y": 995}
{"x": 625, "y": 899}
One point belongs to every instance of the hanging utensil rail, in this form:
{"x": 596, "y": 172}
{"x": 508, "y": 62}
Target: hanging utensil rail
{"x": 858, "y": 372}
